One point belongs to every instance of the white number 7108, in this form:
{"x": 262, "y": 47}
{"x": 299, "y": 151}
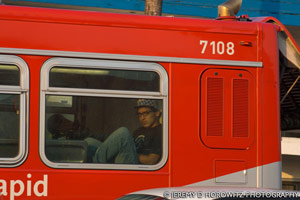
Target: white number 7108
{"x": 217, "y": 47}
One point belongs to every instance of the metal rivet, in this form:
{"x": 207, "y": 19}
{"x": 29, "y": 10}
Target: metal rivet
{"x": 216, "y": 73}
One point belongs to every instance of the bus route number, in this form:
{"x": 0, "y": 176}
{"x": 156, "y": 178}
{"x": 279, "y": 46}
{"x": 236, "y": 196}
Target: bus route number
{"x": 217, "y": 47}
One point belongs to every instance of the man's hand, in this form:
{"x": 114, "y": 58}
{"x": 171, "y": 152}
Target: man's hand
{"x": 139, "y": 142}
{"x": 150, "y": 159}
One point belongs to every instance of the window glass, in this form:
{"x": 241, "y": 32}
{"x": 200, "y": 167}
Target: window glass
{"x": 9, "y": 125}
{"x": 108, "y": 79}
{"x": 9, "y": 75}
{"x": 86, "y": 129}
{"x": 14, "y": 85}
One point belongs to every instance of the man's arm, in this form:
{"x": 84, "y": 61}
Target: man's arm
{"x": 149, "y": 159}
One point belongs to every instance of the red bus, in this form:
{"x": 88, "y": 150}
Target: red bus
{"x": 214, "y": 83}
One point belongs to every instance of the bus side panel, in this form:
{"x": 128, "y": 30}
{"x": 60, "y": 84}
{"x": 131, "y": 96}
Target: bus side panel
{"x": 271, "y": 108}
{"x": 206, "y": 165}
{"x": 126, "y": 40}
{"x": 70, "y": 183}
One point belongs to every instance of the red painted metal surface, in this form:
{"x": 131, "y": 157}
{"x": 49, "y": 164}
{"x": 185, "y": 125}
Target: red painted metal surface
{"x": 190, "y": 159}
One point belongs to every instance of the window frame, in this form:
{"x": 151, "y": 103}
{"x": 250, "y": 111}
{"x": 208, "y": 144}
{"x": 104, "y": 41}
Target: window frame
{"x": 23, "y": 90}
{"x": 162, "y": 94}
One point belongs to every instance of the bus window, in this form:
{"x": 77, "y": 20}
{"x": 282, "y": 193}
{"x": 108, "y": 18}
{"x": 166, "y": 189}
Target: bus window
{"x": 10, "y": 75}
{"x": 108, "y": 115}
{"x": 104, "y": 79}
{"x": 13, "y": 88}
{"x": 9, "y": 125}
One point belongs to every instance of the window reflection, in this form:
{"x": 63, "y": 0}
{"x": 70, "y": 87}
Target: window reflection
{"x": 9, "y": 125}
{"x": 9, "y": 75}
{"x": 107, "y": 79}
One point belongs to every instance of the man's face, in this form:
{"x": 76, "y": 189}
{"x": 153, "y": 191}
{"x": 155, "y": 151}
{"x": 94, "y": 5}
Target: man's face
{"x": 148, "y": 118}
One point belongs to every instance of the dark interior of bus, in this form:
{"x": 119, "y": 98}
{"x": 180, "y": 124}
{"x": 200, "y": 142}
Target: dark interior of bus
{"x": 9, "y": 112}
{"x": 86, "y": 114}
{"x": 289, "y": 98}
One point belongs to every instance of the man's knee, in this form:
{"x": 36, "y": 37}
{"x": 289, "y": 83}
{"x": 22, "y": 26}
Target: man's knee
{"x": 122, "y": 132}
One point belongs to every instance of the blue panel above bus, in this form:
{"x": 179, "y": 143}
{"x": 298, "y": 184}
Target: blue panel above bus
{"x": 288, "y": 12}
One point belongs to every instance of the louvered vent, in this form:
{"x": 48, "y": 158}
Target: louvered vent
{"x": 240, "y": 108}
{"x": 228, "y": 109}
{"x": 215, "y": 106}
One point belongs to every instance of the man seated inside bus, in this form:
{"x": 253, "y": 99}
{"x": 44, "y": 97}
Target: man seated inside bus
{"x": 143, "y": 147}
{"x": 121, "y": 147}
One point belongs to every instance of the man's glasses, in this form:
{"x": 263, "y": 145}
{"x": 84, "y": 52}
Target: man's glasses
{"x": 144, "y": 114}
